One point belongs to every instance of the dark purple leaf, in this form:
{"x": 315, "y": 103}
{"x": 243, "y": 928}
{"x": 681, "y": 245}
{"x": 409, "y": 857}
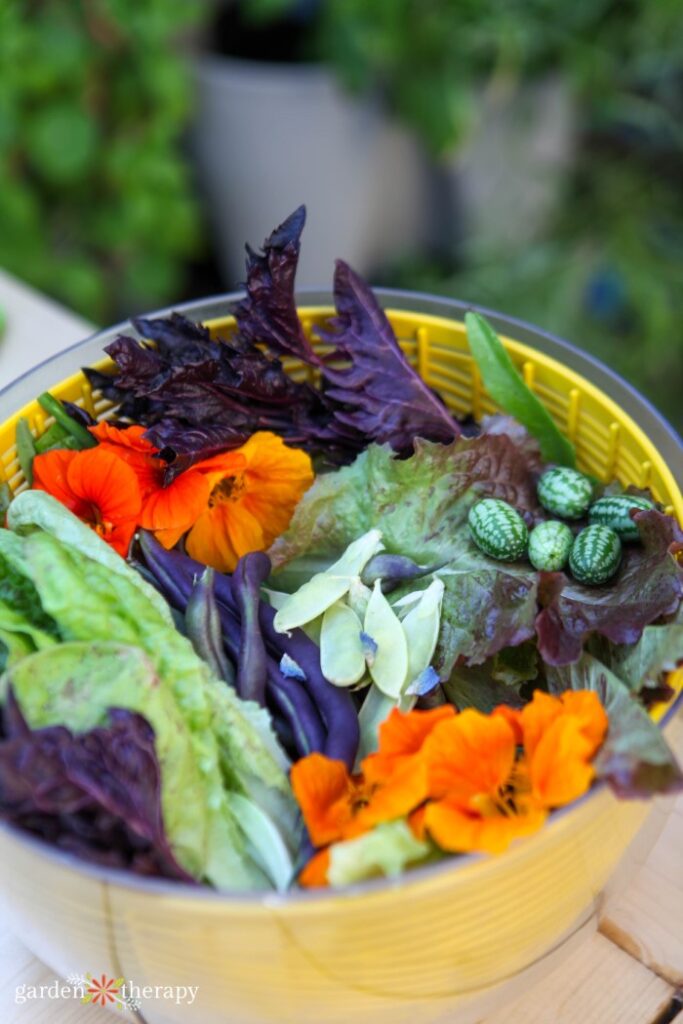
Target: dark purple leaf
{"x": 97, "y": 793}
{"x": 648, "y": 584}
{"x": 268, "y": 315}
{"x": 378, "y": 393}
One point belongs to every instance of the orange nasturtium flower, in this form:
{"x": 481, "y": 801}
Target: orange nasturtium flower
{"x": 232, "y": 503}
{"x": 473, "y": 782}
{"x": 228, "y": 505}
{"x": 96, "y": 486}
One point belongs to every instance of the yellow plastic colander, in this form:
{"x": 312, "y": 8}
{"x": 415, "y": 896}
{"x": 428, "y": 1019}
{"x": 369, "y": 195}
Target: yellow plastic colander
{"x": 443, "y": 943}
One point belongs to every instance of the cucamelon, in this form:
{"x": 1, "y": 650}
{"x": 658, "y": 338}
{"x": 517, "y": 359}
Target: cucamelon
{"x": 614, "y": 512}
{"x": 595, "y": 555}
{"x": 498, "y": 530}
{"x": 549, "y": 545}
{"x": 565, "y": 492}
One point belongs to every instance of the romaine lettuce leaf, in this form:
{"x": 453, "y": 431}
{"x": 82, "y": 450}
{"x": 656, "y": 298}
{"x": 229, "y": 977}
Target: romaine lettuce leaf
{"x": 233, "y": 743}
{"x": 96, "y": 794}
{"x": 75, "y": 684}
{"x": 386, "y": 851}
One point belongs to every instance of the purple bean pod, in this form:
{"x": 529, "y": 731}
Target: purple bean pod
{"x": 334, "y": 703}
{"x": 252, "y": 669}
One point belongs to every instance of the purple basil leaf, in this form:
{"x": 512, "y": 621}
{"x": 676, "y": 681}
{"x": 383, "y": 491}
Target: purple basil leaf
{"x": 648, "y": 584}
{"x": 379, "y": 394}
{"x": 96, "y": 793}
{"x": 268, "y": 315}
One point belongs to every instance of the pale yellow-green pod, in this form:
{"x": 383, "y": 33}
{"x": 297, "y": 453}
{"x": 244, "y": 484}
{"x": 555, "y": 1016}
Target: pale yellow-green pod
{"x": 323, "y": 589}
{"x": 421, "y": 627}
{"x": 358, "y": 598}
{"x": 389, "y": 667}
{"x": 342, "y": 658}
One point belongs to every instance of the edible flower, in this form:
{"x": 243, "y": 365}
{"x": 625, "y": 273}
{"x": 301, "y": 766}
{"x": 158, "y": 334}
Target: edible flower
{"x": 233, "y": 503}
{"x": 227, "y": 505}
{"x": 470, "y": 781}
{"x": 97, "y": 486}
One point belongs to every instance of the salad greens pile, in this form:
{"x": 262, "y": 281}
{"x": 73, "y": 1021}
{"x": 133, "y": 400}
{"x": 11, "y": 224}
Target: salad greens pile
{"x": 228, "y": 814}
{"x": 156, "y": 708}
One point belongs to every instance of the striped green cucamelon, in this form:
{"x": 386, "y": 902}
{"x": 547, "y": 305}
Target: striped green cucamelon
{"x": 498, "y": 530}
{"x": 595, "y": 555}
{"x": 614, "y": 512}
{"x": 565, "y": 492}
{"x": 549, "y": 545}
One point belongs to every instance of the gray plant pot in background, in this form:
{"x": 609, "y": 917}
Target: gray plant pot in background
{"x": 268, "y": 137}
{"x": 510, "y": 171}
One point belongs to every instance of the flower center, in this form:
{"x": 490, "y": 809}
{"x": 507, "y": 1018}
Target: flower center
{"x": 102, "y": 527}
{"x": 227, "y": 489}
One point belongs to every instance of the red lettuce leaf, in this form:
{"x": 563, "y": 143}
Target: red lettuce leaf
{"x": 97, "y": 794}
{"x": 420, "y": 504}
{"x": 648, "y": 584}
{"x": 635, "y": 758}
{"x": 378, "y": 393}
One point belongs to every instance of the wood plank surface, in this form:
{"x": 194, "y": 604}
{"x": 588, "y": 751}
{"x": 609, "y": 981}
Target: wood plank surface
{"x": 647, "y": 921}
{"x": 597, "y": 984}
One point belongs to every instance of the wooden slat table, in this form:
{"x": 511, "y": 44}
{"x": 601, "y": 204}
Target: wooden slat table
{"x": 630, "y": 972}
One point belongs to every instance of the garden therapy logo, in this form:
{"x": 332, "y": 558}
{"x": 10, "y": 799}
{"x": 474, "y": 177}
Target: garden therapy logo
{"x": 104, "y": 991}
{"x": 101, "y": 990}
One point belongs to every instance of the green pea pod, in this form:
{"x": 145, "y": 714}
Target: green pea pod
{"x": 54, "y": 407}
{"x": 5, "y": 500}
{"x": 342, "y": 658}
{"x": 26, "y": 449}
{"x": 506, "y": 387}
{"x": 325, "y": 588}
{"x": 421, "y": 627}
{"x": 390, "y": 664}
{"x": 53, "y": 437}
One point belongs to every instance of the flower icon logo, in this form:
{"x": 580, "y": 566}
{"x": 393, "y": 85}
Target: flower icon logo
{"x": 103, "y": 990}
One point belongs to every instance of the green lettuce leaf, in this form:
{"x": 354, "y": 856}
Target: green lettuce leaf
{"x": 477, "y": 688}
{"x": 36, "y": 509}
{"x": 642, "y": 665}
{"x": 635, "y": 758}
{"x": 385, "y": 851}
{"x": 75, "y": 684}
{"x": 95, "y": 596}
{"x": 420, "y": 504}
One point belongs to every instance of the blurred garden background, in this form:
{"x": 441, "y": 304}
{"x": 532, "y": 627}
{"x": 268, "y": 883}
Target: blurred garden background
{"x": 526, "y": 155}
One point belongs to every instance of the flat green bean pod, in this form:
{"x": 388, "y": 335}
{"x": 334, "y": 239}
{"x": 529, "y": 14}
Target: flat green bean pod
{"x": 325, "y": 588}
{"x": 421, "y": 627}
{"x": 390, "y": 664}
{"x": 342, "y": 658}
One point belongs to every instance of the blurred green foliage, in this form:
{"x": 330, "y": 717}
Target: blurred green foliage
{"x": 96, "y": 205}
{"x": 607, "y": 272}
